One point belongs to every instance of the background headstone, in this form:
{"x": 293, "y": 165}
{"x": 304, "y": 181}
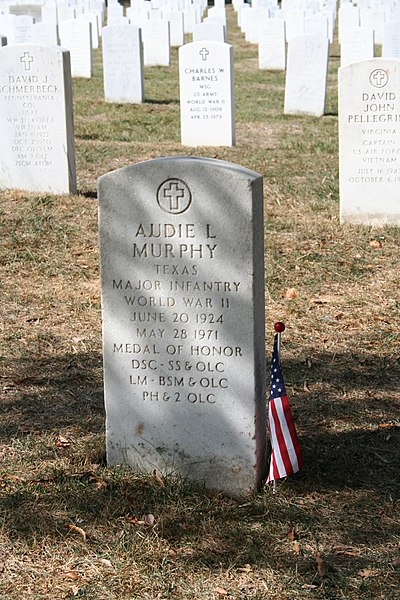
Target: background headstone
{"x": 207, "y": 94}
{"x": 36, "y": 119}
{"x": 369, "y": 142}
{"x": 181, "y": 243}
{"x": 122, "y": 63}
{"x": 306, "y": 75}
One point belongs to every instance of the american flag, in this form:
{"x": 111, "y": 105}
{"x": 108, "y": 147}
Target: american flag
{"x": 286, "y": 456}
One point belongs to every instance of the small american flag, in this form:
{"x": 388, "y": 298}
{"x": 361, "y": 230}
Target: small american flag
{"x": 286, "y": 456}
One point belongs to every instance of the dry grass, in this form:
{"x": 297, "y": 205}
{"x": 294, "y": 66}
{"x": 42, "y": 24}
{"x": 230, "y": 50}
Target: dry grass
{"x": 71, "y": 527}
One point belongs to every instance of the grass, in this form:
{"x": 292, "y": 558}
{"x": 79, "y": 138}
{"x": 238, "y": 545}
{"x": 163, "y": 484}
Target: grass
{"x": 71, "y": 526}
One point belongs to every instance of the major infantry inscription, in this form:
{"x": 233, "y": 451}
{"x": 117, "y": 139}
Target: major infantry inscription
{"x": 183, "y": 319}
{"x": 369, "y": 142}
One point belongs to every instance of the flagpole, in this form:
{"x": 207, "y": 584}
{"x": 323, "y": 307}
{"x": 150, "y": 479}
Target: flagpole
{"x": 279, "y": 328}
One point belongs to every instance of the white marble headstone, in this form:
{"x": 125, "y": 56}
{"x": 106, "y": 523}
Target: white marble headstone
{"x": 122, "y": 63}
{"x": 306, "y": 75}
{"x": 369, "y": 142}
{"x": 36, "y": 119}
{"x": 181, "y": 245}
{"x": 76, "y": 36}
{"x": 207, "y": 94}
{"x": 156, "y": 43}
{"x": 272, "y": 45}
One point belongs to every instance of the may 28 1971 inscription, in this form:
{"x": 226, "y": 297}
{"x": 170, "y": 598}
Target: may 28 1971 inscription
{"x": 181, "y": 243}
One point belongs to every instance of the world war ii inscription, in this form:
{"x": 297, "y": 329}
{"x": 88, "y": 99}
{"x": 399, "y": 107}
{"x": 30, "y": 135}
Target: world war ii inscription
{"x": 183, "y": 334}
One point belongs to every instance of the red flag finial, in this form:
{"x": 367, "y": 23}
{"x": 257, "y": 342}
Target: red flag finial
{"x": 279, "y": 327}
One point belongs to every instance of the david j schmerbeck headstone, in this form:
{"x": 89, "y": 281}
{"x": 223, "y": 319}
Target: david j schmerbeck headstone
{"x": 181, "y": 243}
{"x": 369, "y": 142}
{"x": 36, "y": 120}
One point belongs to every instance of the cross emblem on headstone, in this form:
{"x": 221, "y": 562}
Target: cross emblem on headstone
{"x": 204, "y": 53}
{"x": 26, "y": 59}
{"x": 378, "y": 78}
{"x": 174, "y": 193}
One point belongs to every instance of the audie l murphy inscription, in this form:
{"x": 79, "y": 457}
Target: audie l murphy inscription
{"x": 181, "y": 243}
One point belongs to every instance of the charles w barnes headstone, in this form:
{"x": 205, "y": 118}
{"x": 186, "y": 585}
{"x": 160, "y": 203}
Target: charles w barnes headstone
{"x": 36, "y": 119}
{"x": 181, "y": 244}
{"x": 369, "y": 142}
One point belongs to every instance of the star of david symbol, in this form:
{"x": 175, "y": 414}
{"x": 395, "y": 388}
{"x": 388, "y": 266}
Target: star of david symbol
{"x": 173, "y": 196}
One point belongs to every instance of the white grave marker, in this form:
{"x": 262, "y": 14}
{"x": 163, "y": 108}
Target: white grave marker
{"x": 306, "y": 75}
{"x": 122, "y": 63}
{"x": 207, "y": 94}
{"x": 36, "y": 120}
{"x": 181, "y": 244}
{"x": 369, "y": 142}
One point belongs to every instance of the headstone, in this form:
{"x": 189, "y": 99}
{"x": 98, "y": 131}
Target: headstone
{"x": 348, "y": 18}
{"x": 175, "y": 20}
{"x": 369, "y": 142}
{"x": 294, "y": 23}
{"x": 23, "y": 29}
{"x": 156, "y": 43}
{"x": 391, "y": 40}
{"x": 207, "y": 94}
{"x": 181, "y": 245}
{"x": 45, "y": 32}
{"x": 76, "y": 36}
{"x": 209, "y": 30}
{"x": 122, "y": 63}
{"x": 356, "y": 44}
{"x": 306, "y": 75}
{"x": 36, "y": 120}
{"x": 272, "y": 45}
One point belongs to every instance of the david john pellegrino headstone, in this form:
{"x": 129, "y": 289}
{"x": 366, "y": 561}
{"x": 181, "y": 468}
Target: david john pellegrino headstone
{"x": 182, "y": 272}
{"x": 369, "y": 142}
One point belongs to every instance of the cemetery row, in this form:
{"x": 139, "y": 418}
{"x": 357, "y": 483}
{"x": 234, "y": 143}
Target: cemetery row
{"x": 182, "y": 273}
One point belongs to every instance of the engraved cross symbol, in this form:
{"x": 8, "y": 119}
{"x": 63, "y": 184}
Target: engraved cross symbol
{"x": 174, "y": 195}
{"x": 204, "y": 53}
{"x": 26, "y": 59}
{"x": 378, "y": 77}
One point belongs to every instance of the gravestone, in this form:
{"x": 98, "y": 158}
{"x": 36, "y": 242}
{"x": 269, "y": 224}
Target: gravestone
{"x": 122, "y": 64}
{"x": 272, "y": 45}
{"x": 207, "y": 94}
{"x": 175, "y": 20}
{"x": 45, "y": 32}
{"x": 369, "y": 142}
{"x": 181, "y": 245}
{"x": 23, "y": 29}
{"x": 76, "y": 36}
{"x": 391, "y": 40}
{"x": 356, "y": 44}
{"x": 209, "y": 30}
{"x": 306, "y": 75}
{"x": 156, "y": 43}
{"x": 36, "y": 120}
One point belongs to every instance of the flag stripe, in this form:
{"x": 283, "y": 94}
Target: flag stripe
{"x": 277, "y": 409}
{"x": 278, "y": 466}
{"x": 286, "y": 420}
{"x": 294, "y": 440}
